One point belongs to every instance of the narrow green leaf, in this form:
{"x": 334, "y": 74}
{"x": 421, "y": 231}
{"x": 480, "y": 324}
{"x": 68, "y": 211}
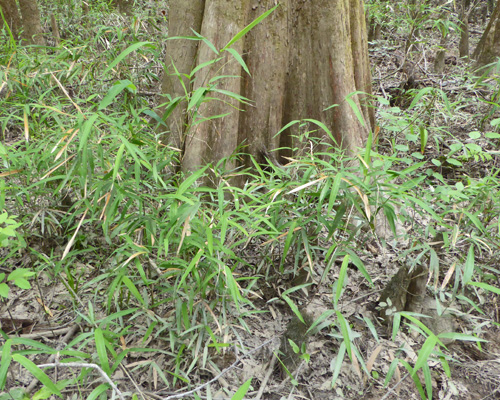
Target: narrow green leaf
{"x": 334, "y": 191}
{"x": 288, "y": 241}
{"x": 419, "y": 95}
{"x": 446, "y": 366}
{"x": 242, "y": 391}
{"x": 33, "y": 344}
{"x": 424, "y": 135}
{"x": 210, "y": 240}
{"x": 344, "y": 329}
{"x": 485, "y": 286}
{"x": 324, "y": 191}
{"x": 245, "y": 30}
{"x": 391, "y": 217}
{"x": 85, "y": 132}
{"x": 425, "y": 352}
{"x": 207, "y": 42}
{"x": 416, "y": 380}
{"x": 368, "y": 148}
{"x": 37, "y": 373}
{"x": 233, "y": 286}
{"x": 203, "y": 65}
{"x": 5, "y": 362}
{"x": 98, "y": 391}
{"x": 322, "y": 126}
{"x": 395, "y": 325}
{"x": 100, "y": 345}
{"x": 118, "y": 160}
{"x": 185, "y": 316}
{"x": 469, "y": 266}
{"x": 126, "y": 52}
{"x": 427, "y": 380}
{"x": 475, "y": 220}
{"x": 372, "y": 328}
{"x": 355, "y": 108}
{"x": 339, "y": 360}
{"x": 413, "y": 317}
{"x": 232, "y": 95}
{"x": 287, "y": 126}
{"x": 218, "y": 116}
{"x": 460, "y": 336}
{"x": 390, "y": 372}
{"x": 359, "y": 265}
{"x": 114, "y": 91}
{"x": 341, "y": 280}
{"x": 190, "y": 180}
{"x": 191, "y": 265}
{"x": 240, "y": 60}
{"x": 130, "y": 285}
{"x": 293, "y": 307}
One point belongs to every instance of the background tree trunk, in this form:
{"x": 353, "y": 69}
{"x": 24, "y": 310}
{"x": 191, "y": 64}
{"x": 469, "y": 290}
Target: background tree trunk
{"x": 488, "y": 48}
{"x": 463, "y": 46}
{"x": 11, "y": 14}
{"x": 33, "y": 31}
{"x": 305, "y": 57}
{"x": 55, "y": 29}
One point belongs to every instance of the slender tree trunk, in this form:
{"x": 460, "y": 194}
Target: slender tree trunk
{"x": 440, "y": 55}
{"x": 463, "y": 46}
{"x": 33, "y": 31}
{"x": 55, "y": 29}
{"x": 488, "y": 47}
{"x": 11, "y": 15}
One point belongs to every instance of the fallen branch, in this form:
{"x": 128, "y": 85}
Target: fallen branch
{"x": 86, "y": 365}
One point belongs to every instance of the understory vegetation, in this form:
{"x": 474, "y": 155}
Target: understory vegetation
{"x": 103, "y": 239}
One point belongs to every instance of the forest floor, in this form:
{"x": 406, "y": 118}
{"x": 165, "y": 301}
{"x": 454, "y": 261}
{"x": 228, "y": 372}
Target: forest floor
{"x": 475, "y": 370}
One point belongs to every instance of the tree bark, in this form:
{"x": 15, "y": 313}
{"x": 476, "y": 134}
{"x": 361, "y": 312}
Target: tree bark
{"x": 260, "y": 121}
{"x": 215, "y": 139}
{"x": 181, "y": 55}
{"x": 463, "y": 46}
{"x": 488, "y": 47}
{"x": 305, "y": 57}
{"x": 11, "y": 15}
{"x": 33, "y": 31}
{"x": 55, "y": 29}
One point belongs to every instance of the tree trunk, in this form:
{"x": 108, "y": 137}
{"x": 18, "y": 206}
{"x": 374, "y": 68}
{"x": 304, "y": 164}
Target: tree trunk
{"x": 33, "y": 32}
{"x": 305, "y": 57}
{"x": 11, "y": 15}
{"x": 55, "y": 29}
{"x": 463, "y": 46}
{"x": 181, "y": 55}
{"x": 214, "y": 139}
{"x": 488, "y": 48}
{"x": 440, "y": 55}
